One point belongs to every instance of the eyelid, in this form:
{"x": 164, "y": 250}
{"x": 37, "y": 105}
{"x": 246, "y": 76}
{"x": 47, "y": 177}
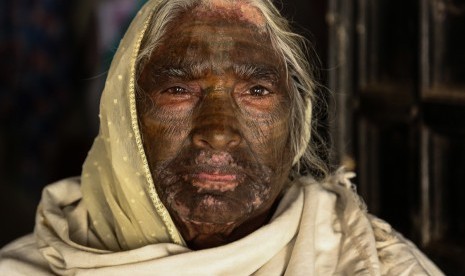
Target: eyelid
{"x": 264, "y": 87}
{"x": 166, "y": 90}
{"x": 171, "y": 85}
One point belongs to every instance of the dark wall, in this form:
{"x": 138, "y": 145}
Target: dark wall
{"x": 44, "y": 133}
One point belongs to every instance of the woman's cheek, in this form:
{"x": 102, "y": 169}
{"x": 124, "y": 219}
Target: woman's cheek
{"x": 164, "y": 135}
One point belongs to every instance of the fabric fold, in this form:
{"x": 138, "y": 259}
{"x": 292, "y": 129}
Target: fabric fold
{"x": 318, "y": 229}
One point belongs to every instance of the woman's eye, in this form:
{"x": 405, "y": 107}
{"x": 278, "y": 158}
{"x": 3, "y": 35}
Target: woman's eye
{"x": 177, "y": 90}
{"x": 259, "y": 91}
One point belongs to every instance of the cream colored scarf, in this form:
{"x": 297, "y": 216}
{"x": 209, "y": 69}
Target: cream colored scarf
{"x": 117, "y": 185}
{"x": 318, "y": 229}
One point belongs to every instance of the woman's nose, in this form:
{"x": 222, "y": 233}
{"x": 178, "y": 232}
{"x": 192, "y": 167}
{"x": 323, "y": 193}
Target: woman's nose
{"x": 216, "y": 136}
{"x": 216, "y": 124}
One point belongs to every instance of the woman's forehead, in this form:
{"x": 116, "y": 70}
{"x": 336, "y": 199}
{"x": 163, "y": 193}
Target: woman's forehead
{"x": 220, "y": 41}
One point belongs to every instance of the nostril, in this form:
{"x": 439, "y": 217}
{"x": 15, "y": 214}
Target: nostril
{"x": 217, "y": 138}
{"x": 199, "y": 141}
{"x": 235, "y": 140}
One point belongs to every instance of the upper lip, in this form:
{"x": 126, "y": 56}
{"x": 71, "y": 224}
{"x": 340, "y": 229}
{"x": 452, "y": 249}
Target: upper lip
{"x": 215, "y": 181}
{"x": 212, "y": 170}
{"x": 216, "y": 176}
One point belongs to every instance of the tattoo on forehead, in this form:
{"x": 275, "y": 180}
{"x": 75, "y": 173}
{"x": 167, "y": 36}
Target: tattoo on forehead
{"x": 193, "y": 71}
{"x": 243, "y": 10}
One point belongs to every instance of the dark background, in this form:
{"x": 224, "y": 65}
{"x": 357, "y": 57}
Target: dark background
{"x": 396, "y": 115}
{"x": 53, "y": 60}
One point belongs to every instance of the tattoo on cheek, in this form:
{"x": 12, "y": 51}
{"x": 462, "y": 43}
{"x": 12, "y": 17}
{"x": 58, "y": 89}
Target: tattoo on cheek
{"x": 261, "y": 130}
{"x": 165, "y": 129}
{"x": 272, "y": 114}
{"x": 176, "y": 116}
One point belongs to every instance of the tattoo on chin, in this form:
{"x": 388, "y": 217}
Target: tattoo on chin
{"x": 247, "y": 188}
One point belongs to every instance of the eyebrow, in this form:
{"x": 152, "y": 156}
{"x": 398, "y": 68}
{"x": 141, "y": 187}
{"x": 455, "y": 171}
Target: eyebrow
{"x": 193, "y": 71}
{"x": 188, "y": 71}
{"x": 257, "y": 72}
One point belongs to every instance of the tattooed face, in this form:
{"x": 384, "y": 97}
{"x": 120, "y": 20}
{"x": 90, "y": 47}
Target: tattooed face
{"x": 214, "y": 120}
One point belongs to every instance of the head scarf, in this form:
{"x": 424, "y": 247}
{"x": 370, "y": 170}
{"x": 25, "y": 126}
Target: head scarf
{"x": 117, "y": 186}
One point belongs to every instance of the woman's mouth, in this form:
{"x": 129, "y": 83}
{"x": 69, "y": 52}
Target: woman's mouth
{"x": 216, "y": 181}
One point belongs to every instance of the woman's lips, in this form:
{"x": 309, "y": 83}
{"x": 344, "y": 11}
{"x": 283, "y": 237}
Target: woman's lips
{"x": 215, "y": 182}
{"x": 216, "y": 177}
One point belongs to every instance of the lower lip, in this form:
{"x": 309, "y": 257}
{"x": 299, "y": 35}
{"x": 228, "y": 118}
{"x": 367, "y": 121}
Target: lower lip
{"x": 215, "y": 182}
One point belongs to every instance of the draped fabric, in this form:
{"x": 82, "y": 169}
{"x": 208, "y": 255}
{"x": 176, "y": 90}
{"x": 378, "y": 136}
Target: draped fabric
{"x": 117, "y": 185}
{"x": 317, "y": 229}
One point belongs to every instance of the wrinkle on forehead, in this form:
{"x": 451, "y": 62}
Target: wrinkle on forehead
{"x": 238, "y": 8}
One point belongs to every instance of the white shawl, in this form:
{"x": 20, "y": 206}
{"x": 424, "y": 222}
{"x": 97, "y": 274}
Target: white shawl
{"x": 318, "y": 229}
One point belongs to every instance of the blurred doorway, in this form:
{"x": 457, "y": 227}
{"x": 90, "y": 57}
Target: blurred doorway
{"x": 399, "y": 83}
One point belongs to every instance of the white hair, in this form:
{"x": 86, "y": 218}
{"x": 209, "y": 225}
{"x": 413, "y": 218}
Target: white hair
{"x": 291, "y": 47}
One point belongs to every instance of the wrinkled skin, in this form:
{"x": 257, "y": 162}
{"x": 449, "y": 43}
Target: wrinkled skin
{"x": 214, "y": 121}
